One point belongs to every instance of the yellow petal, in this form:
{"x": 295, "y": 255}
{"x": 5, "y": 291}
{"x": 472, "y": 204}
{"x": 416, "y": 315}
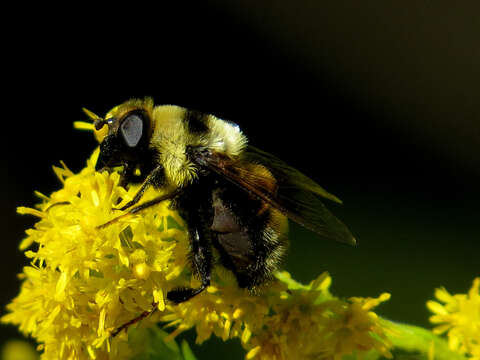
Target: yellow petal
{"x": 237, "y": 313}
{"x": 474, "y": 291}
{"x": 159, "y": 299}
{"x": 22, "y": 210}
{"x": 91, "y": 114}
{"x": 436, "y": 308}
{"x": 443, "y": 295}
{"x": 60, "y": 288}
{"x": 246, "y": 334}
{"x": 252, "y": 353}
{"x": 82, "y": 125}
{"x": 101, "y": 322}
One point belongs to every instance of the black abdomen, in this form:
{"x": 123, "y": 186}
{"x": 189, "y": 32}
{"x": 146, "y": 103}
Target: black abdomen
{"x": 249, "y": 235}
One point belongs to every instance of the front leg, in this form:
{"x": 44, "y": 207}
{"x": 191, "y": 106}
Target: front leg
{"x": 127, "y": 175}
{"x": 155, "y": 178}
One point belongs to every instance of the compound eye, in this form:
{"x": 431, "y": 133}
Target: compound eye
{"x": 132, "y": 129}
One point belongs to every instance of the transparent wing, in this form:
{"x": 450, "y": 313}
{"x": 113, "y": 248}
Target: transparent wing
{"x": 289, "y": 191}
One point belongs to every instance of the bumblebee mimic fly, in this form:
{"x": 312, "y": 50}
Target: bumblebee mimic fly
{"x": 233, "y": 197}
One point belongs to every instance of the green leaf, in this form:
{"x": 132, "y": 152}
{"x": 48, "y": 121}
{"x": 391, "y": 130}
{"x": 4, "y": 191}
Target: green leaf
{"x": 173, "y": 224}
{"x": 151, "y": 345}
{"x": 126, "y": 237}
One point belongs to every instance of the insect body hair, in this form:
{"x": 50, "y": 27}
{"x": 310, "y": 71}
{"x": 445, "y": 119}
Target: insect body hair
{"x": 176, "y": 128}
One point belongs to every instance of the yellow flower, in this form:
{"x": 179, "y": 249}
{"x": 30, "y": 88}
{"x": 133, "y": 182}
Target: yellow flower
{"x": 459, "y": 316}
{"x": 289, "y": 321}
{"x": 86, "y": 282}
{"x": 312, "y": 324}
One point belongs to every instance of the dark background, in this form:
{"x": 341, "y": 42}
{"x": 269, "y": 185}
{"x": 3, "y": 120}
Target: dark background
{"x": 376, "y": 101}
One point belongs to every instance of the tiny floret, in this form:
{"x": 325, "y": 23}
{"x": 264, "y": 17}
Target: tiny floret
{"x": 459, "y": 317}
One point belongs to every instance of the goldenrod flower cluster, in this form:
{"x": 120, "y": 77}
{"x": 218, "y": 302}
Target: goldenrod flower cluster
{"x": 290, "y": 320}
{"x": 459, "y": 316}
{"x": 85, "y": 282}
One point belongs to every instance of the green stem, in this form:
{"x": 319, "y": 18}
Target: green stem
{"x": 413, "y": 342}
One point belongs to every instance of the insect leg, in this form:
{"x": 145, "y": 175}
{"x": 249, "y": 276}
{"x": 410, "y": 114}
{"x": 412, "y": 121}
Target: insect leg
{"x": 154, "y": 178}
{"x": 154, "y": 201}
{"x": 140, "y": 317}
{"x": 141, "y": 207}
{"x": 202, "y": 263}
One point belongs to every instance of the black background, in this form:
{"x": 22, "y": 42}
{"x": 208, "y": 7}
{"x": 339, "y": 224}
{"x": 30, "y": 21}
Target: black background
{"x": 377, "y": 102}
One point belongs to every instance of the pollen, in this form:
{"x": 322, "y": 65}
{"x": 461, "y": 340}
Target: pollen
{"x": 141, "y": 271}
{"x": 95, "y": 198}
